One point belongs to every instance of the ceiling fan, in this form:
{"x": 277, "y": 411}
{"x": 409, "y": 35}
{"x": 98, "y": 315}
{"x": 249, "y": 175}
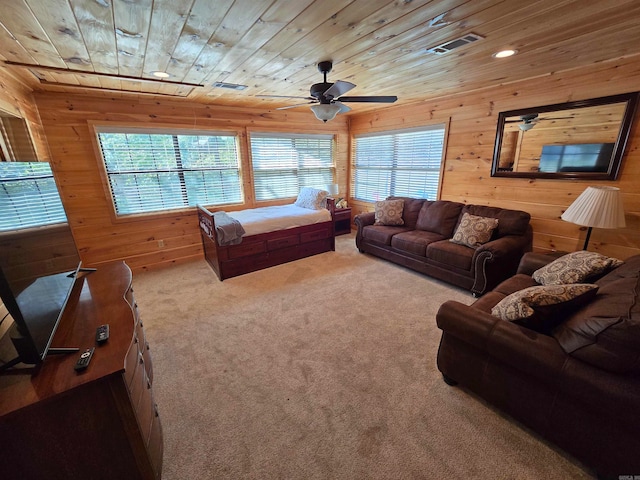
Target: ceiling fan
{"x": 326, "y": 99}
{"x": 529, "y": 120}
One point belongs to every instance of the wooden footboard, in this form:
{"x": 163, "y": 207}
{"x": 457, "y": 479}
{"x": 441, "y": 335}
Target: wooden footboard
{"x": 264, "y": 250}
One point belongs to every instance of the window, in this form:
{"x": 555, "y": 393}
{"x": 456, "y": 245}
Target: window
{"x": 152, "y": 171}
{"x": 401, "y": 163}
{"x": 28, "y": 196}
{"x": 284, "y": 163}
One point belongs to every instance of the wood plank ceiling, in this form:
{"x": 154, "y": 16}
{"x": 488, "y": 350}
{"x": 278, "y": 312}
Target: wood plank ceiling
{"x": 273, "y": 46}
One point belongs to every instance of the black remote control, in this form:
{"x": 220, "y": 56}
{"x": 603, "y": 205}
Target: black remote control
{"x": 102, "y": 333}
{"x": 85, "y": 358}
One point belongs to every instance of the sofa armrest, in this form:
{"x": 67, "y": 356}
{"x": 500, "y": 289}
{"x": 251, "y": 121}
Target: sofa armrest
{"x": 364, "y": 219}
{"x": 538, "y": 355}
{"x": 498, "y": 259}
{"x": 532, "y": 261}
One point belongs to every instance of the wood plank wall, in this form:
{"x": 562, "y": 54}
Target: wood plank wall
{"x": 473, "y": 119}
{"x": 68, "y": 122}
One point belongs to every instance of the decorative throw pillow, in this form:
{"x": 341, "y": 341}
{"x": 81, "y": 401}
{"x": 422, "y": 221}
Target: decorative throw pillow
{"x": 574, "y": 268}
{"x": 311, "y": 198}
{"x": 389, "y": 212}
{"x": 474, "y": 231}
{"x": 543, "y": 307}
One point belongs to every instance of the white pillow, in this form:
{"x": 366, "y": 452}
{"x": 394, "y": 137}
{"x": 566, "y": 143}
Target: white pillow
{"x": 311, "y": 198}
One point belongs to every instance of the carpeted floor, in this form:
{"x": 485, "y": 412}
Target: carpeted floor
{"x": 322, "y": 368}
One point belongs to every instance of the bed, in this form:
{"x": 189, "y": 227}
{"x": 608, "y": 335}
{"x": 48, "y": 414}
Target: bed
{"x": 266, "y": 243}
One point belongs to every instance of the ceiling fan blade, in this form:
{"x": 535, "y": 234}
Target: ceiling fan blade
{"x": 373, "y": 99}
{"x": 295, "y": 106}
{"x": 343, "y": 107}
{"x": 338, "y": 88}
{"x": 283, "y": 96}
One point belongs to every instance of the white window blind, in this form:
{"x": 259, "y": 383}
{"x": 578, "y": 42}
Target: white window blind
{"x": 283, "y": 163}
{"x": 150, "y": 172}
{"x": 28, "y": 196}
{"x": 401, "y": 163}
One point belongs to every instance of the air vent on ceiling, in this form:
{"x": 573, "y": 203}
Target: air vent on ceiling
{"x": 453, "y": 44}
{"x": 232, "y": 86}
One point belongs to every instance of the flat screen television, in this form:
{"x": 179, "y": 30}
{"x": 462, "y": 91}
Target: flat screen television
{"x": 36, "y": 311}
{"x": 579, "y": 157}
{"x": 39, "y": 263}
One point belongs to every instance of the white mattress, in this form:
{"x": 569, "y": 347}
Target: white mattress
{"x": 279, "y": 217}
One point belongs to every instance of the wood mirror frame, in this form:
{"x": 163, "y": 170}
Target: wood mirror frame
{"x": 599, "y": 126}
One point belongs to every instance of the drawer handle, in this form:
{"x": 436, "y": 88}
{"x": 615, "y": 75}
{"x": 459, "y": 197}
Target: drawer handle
{"x": 155, "y": 409}
{"x": 148, "y": 384}
{"x": 146, "y": 344}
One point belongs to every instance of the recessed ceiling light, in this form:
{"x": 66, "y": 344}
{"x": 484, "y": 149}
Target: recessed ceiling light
{"x": 160, "y": 74}
{"x": 504, "y": 53}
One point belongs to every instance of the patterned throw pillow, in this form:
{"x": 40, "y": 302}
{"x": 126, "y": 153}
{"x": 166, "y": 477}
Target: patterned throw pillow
{"x": 311, "y": 198}
{"x": 474, "y": 231}
{"x": 523, "y": 303}
{"x": 574, "y": 268}
{"x": 389, "y": 212}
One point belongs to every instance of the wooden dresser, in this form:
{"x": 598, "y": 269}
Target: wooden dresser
{"x": 101, "y": 423}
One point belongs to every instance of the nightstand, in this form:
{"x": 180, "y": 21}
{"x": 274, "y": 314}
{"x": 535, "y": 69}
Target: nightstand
{"x": 342, "y": 221}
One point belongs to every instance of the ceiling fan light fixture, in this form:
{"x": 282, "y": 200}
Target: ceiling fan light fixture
{"x": 325, "y": 111}
{"x": 525, "y": 126}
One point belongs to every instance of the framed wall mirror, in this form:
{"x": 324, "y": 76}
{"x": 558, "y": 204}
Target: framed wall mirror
{"x": 582, "y": 139}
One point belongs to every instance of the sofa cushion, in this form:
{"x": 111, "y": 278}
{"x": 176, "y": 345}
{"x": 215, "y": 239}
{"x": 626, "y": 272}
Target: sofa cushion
{"x": 451, "y": 254}
{"x": 415, "y": 241}
{"x": 574, "y": 267}
{"x": 389, "y": 212}
{"x": 473, "y": 231}
{"x": 510, "y": 222}
{"x": 410, "y": 210}
{"x": 381, "y": 234}
{"x": 440, "y": 217}
{"x": 606, "y": 333}
{"x": 543, "y": 307}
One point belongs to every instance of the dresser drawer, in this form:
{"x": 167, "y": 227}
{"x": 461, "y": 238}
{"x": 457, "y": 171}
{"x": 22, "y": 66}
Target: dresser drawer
{"x": 282, "y": 242}
{"x": 145, "y": 411}
{"x": 155, "y": 447}
{"x": 131, "y": 360}
{"x": 314, "y": 235}
{"x": 138, "y": 383}
{"x": 245, "y": 249}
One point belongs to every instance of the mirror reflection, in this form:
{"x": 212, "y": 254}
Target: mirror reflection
{"x": 567, "y": 140}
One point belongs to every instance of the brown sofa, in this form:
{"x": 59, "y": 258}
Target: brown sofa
{"x": 578, "y": 386}
{"x": 422, "y": 243}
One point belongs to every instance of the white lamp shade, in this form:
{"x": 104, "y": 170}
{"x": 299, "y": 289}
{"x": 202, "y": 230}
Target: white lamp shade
{"x": 599, "y": 207}
{"x": 325, "y": 111}
{"x": 332, "y": 189}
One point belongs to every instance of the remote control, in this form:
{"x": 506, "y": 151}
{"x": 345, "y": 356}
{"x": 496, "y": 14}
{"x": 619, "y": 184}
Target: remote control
{"x": 85, "y": 358}
{"x": 102, "y": 333}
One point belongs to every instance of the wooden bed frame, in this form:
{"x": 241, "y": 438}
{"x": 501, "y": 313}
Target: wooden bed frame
{"x": 264, "y": 250}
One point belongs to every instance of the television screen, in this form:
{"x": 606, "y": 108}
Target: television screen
{"x": 38, "y": 256}
{"x": 581, "y": 157}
